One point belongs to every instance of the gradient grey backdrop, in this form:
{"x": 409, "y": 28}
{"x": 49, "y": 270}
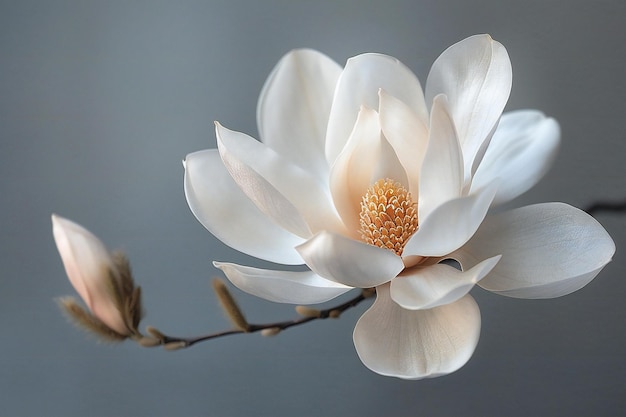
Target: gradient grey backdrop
{"x": 100, "y": 102}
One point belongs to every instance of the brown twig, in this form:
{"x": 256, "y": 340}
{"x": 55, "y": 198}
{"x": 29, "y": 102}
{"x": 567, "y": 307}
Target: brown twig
{"x": 173, "y": 343}
{"x": 616, "y": 206}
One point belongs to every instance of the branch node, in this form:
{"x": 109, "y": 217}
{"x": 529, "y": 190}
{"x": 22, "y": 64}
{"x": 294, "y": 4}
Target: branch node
{"x": 179, "y": 344}
{"x": 368, "y": 292}
{"x": 271, "y": 331}
{"x": 305, "y": 311}
{"x": 148, "y": 341}
{"x": 334, "y": 314}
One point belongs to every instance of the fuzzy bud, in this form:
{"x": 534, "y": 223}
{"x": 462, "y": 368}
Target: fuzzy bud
{"x": 230, "y": 306}
{"x": 305, "y": 311}
{"x": 272, "y": 331}
{"x": 102, "y": 280}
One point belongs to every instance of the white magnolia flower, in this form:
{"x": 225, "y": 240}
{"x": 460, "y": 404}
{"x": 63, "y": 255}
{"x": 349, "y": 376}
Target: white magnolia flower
{"x": 371, "y": 183}
{"x": 93, "y": 272}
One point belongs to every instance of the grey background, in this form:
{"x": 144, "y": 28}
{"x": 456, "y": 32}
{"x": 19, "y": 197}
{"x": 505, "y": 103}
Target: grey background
{"x": 100, "y": 102}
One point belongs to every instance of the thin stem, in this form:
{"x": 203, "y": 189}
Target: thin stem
{"x": 606, "y": 206}
{"x": 333, "y": 312}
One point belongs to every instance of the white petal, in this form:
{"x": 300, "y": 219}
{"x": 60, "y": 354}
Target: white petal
{"x": 475, "y": 74}
{"x": 84, "y": 256}
{"x": 282, "y": 286}
{"x": 88, "y": 263}
{"x": 294, "y": 105}
{"x": 548, "y": 250}
{"x": 220, "y": 205}
{"x": 351, "y": 173}
{"x": 388, "y": 165}
{"x": 358, "y": 85}
{"x": 348, "y": 261}
{"x": 288, "y": 194}
{"x": 407, "y": 134}
{"x": 423, "y": 288}
{"x": 414, "y": 344}
{"x": 366, "y": 158}
{"x": 520, "y": 153}
{"x": 450, "y": 225}
{"x": 441, "y": 179}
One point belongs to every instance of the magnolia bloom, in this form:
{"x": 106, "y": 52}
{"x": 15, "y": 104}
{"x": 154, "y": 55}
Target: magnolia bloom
{"x": 102, "y": 280}
{"x": 372, "y": 183}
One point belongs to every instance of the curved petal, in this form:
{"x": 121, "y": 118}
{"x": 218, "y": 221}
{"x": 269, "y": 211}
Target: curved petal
{"x": 476, "y": 75}
{"x": 282, "y": 286}
{"x": 548, "y": 250}
{"x": 83, "y": 254}
{"x": 285, "y": 192}
{"x": 366, "y": 158}
{"x": 414, "y": 344}
{"x": 348, "y": 261}
{"x": 407, "y": 134}
{"x": 88, "y": 265}
{"x": 423, "y": 288}
{"x": 520, "y": 152}
{"x": 451, "y": 224}
{"x": 351, "y": 174}
{"x": 294, "y": 105}
{"x": 441, "y": 179}
{"x": 388, "y": 165}
{"x": 220, "y": 205}
{"x": 358, "y": 85}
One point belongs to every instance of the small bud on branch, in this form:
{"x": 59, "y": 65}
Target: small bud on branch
{"x": 230, "y": 306}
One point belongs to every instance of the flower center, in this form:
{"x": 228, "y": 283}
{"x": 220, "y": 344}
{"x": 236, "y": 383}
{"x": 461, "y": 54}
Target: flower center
{"x": 388, "y": 215}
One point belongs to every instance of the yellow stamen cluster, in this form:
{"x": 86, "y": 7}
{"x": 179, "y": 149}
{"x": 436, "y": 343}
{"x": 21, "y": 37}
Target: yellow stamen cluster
{"x": 388, "y": 215}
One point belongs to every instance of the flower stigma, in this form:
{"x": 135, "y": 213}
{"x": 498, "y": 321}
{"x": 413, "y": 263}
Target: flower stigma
{"x": 388, "y": 215}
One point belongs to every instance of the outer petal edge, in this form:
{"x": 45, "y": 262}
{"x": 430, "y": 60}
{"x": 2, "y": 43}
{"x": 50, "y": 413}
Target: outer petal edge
{"x": 282, "y": 286}
{"x": 225, "y": 211}
{"x": 416, "y": 344}
{"x": 436, "y": 285}
{"x": 548, "y": 250}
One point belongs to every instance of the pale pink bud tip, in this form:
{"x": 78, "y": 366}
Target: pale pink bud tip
{"x": 90, "y": 269}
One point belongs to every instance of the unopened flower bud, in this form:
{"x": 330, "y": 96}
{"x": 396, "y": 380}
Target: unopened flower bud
{"x": 272, "y": 331}
{"x": 305, "y": 311}
{"x": 148, "y": 341}
{"x": 175, "y": 345}
{"x": 92, "y": 271}
{"x": 154, "y": 332}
